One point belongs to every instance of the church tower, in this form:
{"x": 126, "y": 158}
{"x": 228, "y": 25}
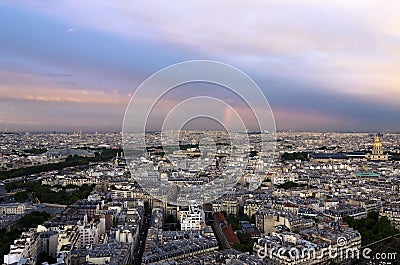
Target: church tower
{"x": 377, "y": 151}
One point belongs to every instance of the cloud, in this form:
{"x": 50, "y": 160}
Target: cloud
{"x": 38, "y": 88}
{"x": 311, "y": 56}
{"x": 31, "y": 115}
{"x": 301, "y": 119}
{"x": 346, "y": 47}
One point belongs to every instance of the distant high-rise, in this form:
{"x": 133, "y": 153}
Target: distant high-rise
{"x": 377, "y": 151}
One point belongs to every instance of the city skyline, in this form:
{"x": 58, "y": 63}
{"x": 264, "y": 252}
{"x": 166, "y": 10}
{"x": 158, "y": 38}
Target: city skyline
{"x": 69, "y": 66}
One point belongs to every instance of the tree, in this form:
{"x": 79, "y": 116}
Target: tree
{"x": 295, "y": 156}
{"x": 21, "y": 196}
{"x": 372, "y": 228}
{"x": 170, "y": 218}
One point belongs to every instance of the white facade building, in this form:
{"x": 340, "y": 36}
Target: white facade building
{"x": 193, "y": 219}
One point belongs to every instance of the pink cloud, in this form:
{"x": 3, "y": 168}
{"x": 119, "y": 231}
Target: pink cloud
{"x": 39, "y": 88}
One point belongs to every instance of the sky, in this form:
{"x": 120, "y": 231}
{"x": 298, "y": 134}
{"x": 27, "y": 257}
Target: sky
{"x": 323, "y": 65}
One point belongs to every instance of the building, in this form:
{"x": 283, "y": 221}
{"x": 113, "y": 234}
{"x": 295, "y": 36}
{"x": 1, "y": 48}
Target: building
{"x": 88, "y": 233}
{"x": 224, "y": 231}
{"x": 267, "y": 221}
{"x": 193, "y": 219}
{"x": 377, "y": 151}
{"x": 392, "y": 213}
{"x": 251, "y": 207}
{"x": 180, "y": 246}
{"x": 230, "y": 206}
{"x": 25, "y": 249}
{"x": 317, "y": 245}
{"x": 49, "y": 243}
{"x": 12, "y": 208}
{"x": 114, "y": 253}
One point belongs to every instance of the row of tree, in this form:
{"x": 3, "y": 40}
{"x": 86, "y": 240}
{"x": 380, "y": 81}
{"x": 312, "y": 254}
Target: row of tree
{"x": 71, "y": 161}
{"x": 47, "y": 194}
{"x": 373, "y": 228}
{"x": 303, "y": 156}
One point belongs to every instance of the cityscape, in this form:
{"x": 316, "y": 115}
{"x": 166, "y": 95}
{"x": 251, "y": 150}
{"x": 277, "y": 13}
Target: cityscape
{"x": 70, "y": 199}
{"x": 199, "y": 132}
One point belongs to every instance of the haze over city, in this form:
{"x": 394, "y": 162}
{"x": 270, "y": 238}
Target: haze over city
{"x": 73, "y": 65}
